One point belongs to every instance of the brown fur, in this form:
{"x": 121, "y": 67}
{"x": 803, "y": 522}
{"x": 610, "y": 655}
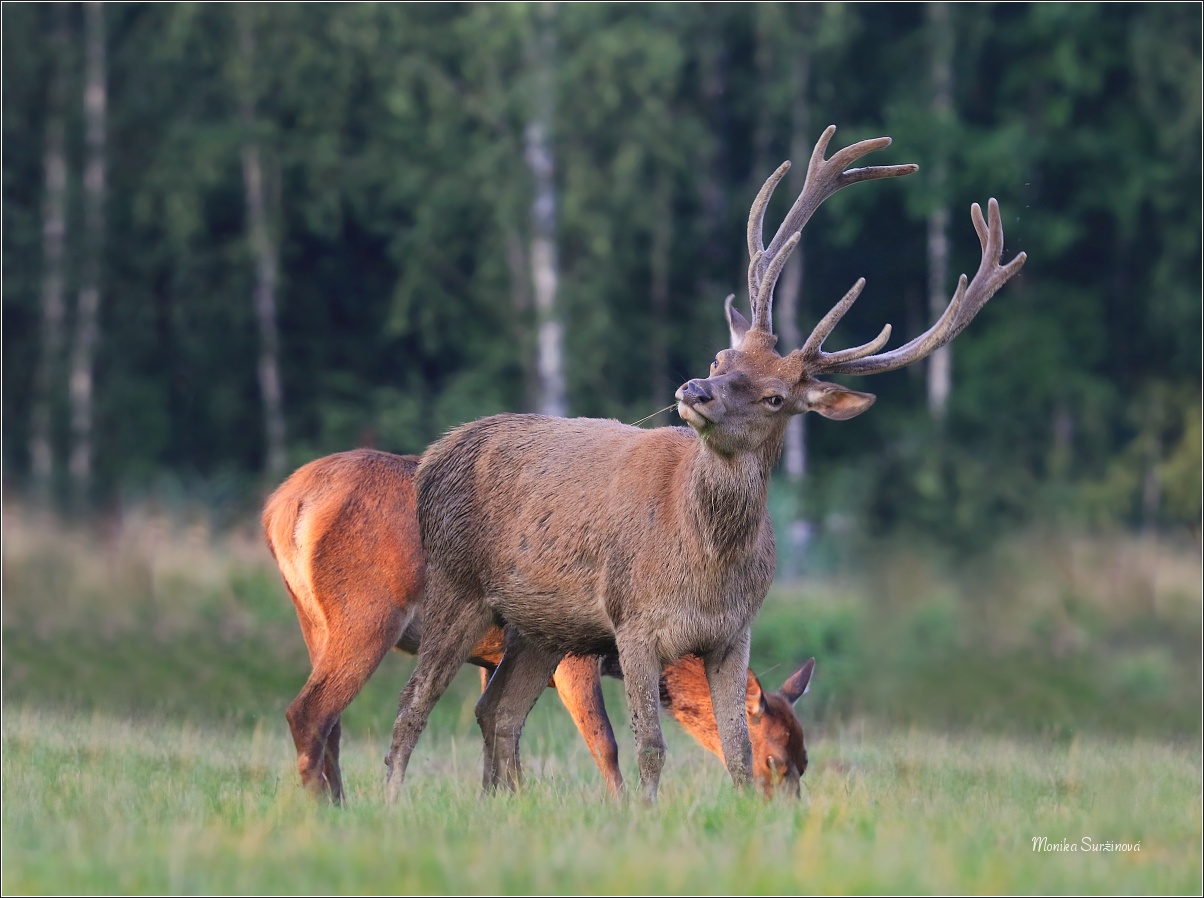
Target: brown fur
{"x": 344, "y": 534}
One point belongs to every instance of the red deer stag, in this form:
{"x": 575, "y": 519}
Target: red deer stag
{"x": 344, "y": 533}
{"x": 590, "y": 536}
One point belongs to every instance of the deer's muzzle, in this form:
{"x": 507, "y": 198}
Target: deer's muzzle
{"x": 693, "y": 392}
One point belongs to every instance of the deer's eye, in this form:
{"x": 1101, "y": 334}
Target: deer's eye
{"x": 774, "y": 402}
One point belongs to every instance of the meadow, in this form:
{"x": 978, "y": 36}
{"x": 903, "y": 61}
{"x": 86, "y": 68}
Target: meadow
{"x": 960, "y": 710}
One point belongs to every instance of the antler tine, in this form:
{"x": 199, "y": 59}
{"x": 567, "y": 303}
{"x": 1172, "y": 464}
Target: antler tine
{"x": 967, "y": 301}
{"x": 812, "y": 349}
{"x": 756, "y": 215}
{"x": 824, "y": 178}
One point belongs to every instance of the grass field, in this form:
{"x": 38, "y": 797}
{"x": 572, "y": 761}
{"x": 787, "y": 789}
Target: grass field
{"x": 145, "y": 751}
{"x": 93, "y": 804}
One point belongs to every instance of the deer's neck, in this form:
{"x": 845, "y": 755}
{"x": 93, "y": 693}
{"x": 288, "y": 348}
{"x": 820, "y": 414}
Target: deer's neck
{"x": 727, "y": 497}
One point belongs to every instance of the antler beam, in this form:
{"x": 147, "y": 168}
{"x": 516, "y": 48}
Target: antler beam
{"x": 824, "y": 178}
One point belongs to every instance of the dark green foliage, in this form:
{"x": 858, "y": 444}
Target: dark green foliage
{"x": 393, "y": 137}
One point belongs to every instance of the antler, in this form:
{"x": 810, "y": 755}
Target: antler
{"x": 824, "y": 178}
{"x": 966, "y": 302}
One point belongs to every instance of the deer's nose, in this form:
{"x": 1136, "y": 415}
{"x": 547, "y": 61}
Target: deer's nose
{"x": 694, "y": 391}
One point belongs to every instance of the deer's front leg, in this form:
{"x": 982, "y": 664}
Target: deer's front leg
{"x": 579, "y": 682}
{"x": 642, "y": 677}
{"x": 727, "y": 677}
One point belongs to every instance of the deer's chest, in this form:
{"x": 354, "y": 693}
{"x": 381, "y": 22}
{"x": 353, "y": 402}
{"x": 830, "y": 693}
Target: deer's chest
{"x": 700, "y": 609}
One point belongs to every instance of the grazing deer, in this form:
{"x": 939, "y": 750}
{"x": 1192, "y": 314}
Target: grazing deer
{"x": 344, "y": 533}
{"x": 590, "y": 536}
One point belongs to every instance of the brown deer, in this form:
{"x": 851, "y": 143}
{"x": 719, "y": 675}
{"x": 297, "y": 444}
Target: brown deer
{"x": 590, "y": 536}
{"x": 344, "y": 533}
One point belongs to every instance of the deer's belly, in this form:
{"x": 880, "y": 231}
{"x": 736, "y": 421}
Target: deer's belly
{"x": 576, "y": 604}
{"x": 565, "y": 619}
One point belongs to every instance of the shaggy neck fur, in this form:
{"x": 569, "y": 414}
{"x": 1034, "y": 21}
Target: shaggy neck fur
{"x": 728, "y": 496}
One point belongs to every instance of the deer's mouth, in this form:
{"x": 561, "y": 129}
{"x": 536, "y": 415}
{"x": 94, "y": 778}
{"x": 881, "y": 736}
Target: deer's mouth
{"x": 692, "y": 416}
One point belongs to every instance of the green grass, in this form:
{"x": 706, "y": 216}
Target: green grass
{"x": 94, "y": 804}
{"x": 957, "y": 712}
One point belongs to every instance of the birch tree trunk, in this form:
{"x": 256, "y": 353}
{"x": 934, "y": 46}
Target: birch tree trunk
{"x": 789, "y": 299}
{"x": 87, "y": 321}
{"x": 54, "y": 238}
{"x": 264, "y": 250}
{"x": 510, "y": 199}
{"x": 545, "y": 272}
{"x": 940, "y": 363}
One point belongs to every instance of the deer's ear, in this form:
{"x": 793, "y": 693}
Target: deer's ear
{"x": 834, "y": 401}
{"x": 736, "y": 322}
{"x": 799, "y": 682}
{"x": 754, "y": 698}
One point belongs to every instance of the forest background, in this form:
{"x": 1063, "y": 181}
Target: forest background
{"x": 274, "y": 232}
{"x": 237, "y": 237}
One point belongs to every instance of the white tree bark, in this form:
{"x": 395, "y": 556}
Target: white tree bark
{"x": 263, "y": 248}
{"x": 790, "y": 304}
{"x": 545, "y": 271}
{"x": 789, "y": 301}
{"x": 54, "y": 238}
{"x": 940, "y": 363}
{"x": 87, "y": 319}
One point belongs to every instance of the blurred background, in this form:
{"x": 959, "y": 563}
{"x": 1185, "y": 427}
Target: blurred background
{"x": 240, "y": 236}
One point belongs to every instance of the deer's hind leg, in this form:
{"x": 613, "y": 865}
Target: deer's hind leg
{"x": 309, "y": 734}
{"x": 452, "y": 624}
{"x": 344, "y": 652}
{"x": 515, "y": 686}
